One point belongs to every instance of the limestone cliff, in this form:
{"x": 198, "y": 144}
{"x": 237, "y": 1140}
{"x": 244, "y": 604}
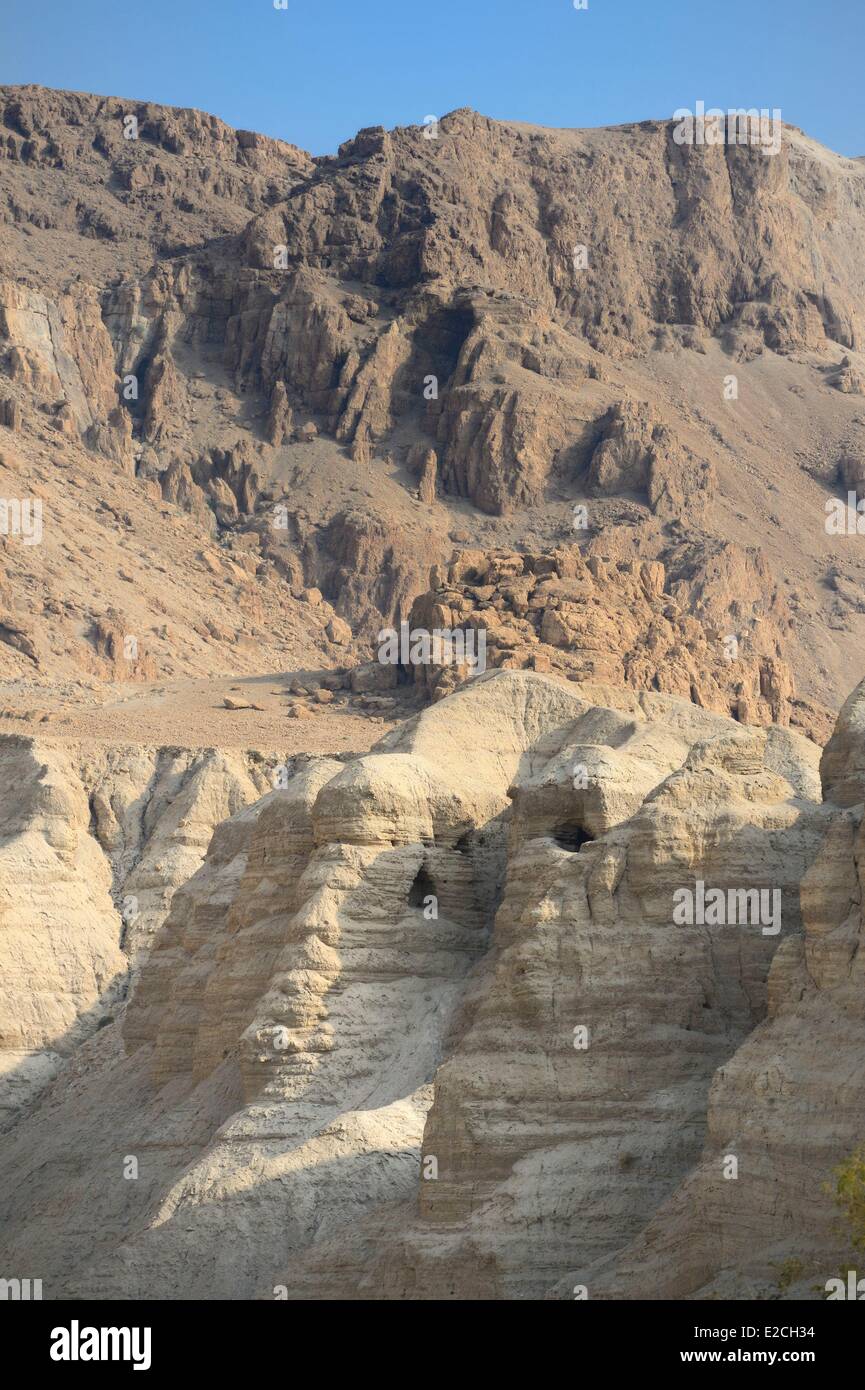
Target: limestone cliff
{"x": 93, "y": 844}
{"x": 424, "y": 1023}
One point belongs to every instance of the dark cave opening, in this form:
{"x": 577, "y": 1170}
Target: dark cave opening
{"x": 422, "y": 888}
{"x": 570, "y": 835}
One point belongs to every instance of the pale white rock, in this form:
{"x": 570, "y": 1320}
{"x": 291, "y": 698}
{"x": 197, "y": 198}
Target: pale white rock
{"x": 305, "y": 1037}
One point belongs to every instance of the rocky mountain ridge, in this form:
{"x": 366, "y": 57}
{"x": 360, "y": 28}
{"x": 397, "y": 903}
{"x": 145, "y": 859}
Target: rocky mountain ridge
{"x": 330, "y": 975}
{"x": 402, "y": 332}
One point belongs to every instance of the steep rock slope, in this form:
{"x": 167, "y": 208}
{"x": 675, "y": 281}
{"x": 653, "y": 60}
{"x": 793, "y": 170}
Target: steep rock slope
{"x": 304, "y": 1008}
{"x": 338, "y": 366}
{"x": 128, "y": 179}
{"x": 787, "y": 1106}
{"x": 94, "y": 843}
{"x": 576, "y": 1090}
{"x": 280, "y": 992}
{"x": 258, "y": 399}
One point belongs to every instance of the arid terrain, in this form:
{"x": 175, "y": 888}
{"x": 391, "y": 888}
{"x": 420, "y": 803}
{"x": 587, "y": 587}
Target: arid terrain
{"x": 325, "y": 975}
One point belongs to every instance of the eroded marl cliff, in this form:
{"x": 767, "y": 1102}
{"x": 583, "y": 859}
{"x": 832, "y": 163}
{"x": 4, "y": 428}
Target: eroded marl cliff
{"x": 307, "y": 1034}
{"x": 787, "y": 1106}
{"x": 93, "y": 844}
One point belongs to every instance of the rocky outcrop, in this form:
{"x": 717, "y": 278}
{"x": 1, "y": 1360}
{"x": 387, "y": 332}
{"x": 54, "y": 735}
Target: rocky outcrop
{"x": 94, "y": 844}
{"x": 530, "y": 243}
{"x": 849, "y": 378}
{"x": 507, "y": 312}
{"x": 63, "y": 969}
{"x": 325, "y": 1026}
{"x": 576, "y": 1089}
{"x": 787, "y": 1106}
{"x": 268, "y": 972}
{"x": 280, "y": 419}
{"x": 636, "y": 453}
{"x": 60, "y": 351}
{"x": 709, "y": 628}
{"x": 129, "y": 174}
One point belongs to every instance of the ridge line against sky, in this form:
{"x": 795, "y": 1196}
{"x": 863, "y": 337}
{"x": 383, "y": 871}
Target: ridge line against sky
{"x": 319, "y": 70}
{"x": 135, "y": 100}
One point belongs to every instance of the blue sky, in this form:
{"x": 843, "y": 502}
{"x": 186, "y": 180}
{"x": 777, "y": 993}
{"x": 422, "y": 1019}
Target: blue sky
{"x": 319, "y": 70}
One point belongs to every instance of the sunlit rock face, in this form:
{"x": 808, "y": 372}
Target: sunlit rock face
{"x": 424, "y": 1023}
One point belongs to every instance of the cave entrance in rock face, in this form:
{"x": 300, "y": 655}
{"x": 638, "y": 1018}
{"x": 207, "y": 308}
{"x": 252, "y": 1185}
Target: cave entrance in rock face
{"x": 570, "y": 835}
{"x": 422, "y": 888}
{"x": 440, "y": 337}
